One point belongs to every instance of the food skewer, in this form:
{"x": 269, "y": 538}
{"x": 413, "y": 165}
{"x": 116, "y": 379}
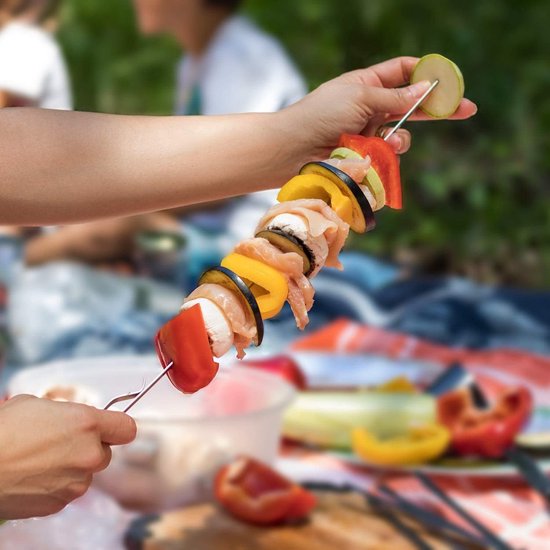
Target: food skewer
{"x": 304, "y": 232}
{"x": 136, "y": 396}
{"x": 411, "y": 110}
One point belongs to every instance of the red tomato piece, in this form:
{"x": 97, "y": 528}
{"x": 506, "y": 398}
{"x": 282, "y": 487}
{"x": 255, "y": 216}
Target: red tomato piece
{"x": 282, "y": 366}
{"x": 383, "y": 160}
{"x": 255, "y": 493}
{"x": 184, "y": 341}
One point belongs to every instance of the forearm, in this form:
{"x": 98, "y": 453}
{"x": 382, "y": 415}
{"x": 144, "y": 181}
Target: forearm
{"x": 62, "y": 167}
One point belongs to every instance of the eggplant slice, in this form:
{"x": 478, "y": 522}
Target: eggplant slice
{"x": 228, "y": 279}
{"x": 288, "y": 243}
{"x": 364, "y": 219}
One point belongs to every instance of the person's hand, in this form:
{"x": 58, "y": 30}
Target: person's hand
{"x": 49, "y": 452}
{"x": 360, "y": 102}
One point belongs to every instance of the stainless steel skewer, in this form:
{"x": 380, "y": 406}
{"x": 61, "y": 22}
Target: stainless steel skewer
{"x": 136, "y": 396}
{"x": 411, "y": 110}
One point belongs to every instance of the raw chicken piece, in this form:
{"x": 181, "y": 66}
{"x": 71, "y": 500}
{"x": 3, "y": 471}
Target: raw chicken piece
{"x": 244, "y": 328}
{"x": 298, "y": 227}
{"x": 290, "y": 264}
{"x": 321, "y": 219}
{"x": 356, "y": 169}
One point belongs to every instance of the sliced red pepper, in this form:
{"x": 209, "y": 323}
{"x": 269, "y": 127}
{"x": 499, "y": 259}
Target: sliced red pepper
{"x": 484, "y": 432}
{"x": 383, "y": 160}
{"x": 253, "y": 492}
{"x": 184, "y": 341}
{"x": 282, "y": 366}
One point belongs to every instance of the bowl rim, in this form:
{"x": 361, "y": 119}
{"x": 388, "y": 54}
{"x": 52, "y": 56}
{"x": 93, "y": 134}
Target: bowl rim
{"x": 287, "y": 391}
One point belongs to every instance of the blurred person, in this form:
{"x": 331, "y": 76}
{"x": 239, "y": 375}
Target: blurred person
{"x": 32, "y": 68}
{"x": 230, "y": 66}
{"x": 66, "y": 167}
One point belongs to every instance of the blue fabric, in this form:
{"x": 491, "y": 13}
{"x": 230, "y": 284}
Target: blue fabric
{"x": 449, "y": 311}
{"x": 89, "y": 313}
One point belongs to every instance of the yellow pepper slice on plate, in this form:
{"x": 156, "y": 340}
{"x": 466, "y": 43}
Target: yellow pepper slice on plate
{"x": 268, "y": 285}
{"x": 418, "y": 446}
{"x": 314, "y": 186}
{"x": 399, "y": 384}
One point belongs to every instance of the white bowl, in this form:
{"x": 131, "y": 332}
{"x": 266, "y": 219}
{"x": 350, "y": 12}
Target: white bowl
{"x": 182, "y": 439}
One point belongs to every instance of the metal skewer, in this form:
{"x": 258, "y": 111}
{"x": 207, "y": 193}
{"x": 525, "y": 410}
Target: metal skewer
{"x": 136, "y": 396}
{"x": 411, "y": 110}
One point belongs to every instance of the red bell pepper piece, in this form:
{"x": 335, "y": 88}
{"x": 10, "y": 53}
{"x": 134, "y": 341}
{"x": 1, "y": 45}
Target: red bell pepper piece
{"x": 184, "y": 341}
{"x": 383, "y": 160}
{"x": 282, "y": 366}
{"x": 484, "y": 432}
{"x": 255, "y": 493}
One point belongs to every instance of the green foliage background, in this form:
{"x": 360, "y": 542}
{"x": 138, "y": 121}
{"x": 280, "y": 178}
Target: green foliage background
{"x": 477, "y": 192}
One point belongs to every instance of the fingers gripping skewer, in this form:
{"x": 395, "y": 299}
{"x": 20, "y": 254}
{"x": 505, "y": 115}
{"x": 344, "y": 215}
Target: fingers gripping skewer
{"x": 411, "y": 110}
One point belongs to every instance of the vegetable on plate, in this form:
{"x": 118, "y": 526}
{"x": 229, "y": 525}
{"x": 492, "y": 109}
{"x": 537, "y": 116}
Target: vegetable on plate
{"x": 486, "y": 432}
{"x": 417, "y": 446}
{"x": 327, "y": 418}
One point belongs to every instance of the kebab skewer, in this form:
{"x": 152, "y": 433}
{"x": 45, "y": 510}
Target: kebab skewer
{"x": 296, "y": 238}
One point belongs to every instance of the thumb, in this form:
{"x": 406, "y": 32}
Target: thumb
{"x": 394, "y": 101}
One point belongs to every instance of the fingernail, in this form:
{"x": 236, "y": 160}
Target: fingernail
{"x": 420, "y": 87}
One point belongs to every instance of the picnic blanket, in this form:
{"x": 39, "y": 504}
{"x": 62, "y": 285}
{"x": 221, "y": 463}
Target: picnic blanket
{"x": 507, "y": 506}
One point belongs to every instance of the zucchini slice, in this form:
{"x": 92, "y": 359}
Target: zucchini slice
{"x": 230, "y": 280}
{"x": 287, "y": 243}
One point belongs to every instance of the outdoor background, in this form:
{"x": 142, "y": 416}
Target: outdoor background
{"x": 477, "y": 193}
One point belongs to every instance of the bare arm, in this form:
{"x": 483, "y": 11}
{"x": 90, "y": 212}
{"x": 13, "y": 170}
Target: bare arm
{"x": 61, "y": 167}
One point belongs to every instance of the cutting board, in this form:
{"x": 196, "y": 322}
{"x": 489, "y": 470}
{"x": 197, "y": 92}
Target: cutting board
{"x": 341, "y": 521}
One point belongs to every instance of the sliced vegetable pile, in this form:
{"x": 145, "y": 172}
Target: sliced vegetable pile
{"x": 398, "y": 424}
{"x": 293, "y": 242}
{"x": 487, "y": 432}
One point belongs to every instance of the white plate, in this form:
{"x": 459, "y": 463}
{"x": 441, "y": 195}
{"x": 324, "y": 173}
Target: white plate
{"x": 333, "y": 370}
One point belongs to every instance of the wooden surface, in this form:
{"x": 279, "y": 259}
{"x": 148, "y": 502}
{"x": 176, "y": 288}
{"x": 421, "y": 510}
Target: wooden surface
{"x": 341, "y": 521}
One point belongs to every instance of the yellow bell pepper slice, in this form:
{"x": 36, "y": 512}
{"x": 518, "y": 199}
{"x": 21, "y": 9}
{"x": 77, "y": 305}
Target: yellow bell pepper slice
{"x": 314, "y": 186}
{"x": 269, "y": 286}
{"x": 399, "y": 384}
{"x": 418, "y": 446}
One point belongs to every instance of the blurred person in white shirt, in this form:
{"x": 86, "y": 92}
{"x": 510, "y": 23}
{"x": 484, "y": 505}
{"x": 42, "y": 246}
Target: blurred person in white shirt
{"x": 230, "y": 66}
{"x": 32, "y": 68}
